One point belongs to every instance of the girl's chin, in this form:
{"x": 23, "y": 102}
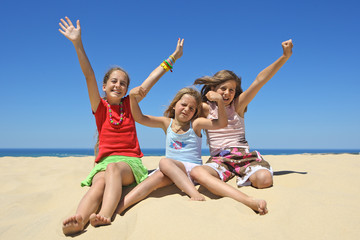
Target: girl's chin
{"x": 227, "y": 102}
{"x": 116, "y": 96}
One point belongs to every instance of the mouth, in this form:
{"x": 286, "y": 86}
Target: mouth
{"x": 116, "y": 92}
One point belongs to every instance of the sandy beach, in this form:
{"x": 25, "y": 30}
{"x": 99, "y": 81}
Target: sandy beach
{"x": 313, "y": 197}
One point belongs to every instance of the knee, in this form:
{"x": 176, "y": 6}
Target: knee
{"x": 165, "y": 164}
{"x": 197, "y": 173}
{"x": 262, "y": 179}
{"x": 112, "y": 169}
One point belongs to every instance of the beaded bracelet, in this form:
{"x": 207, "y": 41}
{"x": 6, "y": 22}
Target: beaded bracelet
{"x": 170, "y": 66}
{"x": 167, "y": 65}
{"x": 172, "y": 58}
{"x": 164, "y": 66}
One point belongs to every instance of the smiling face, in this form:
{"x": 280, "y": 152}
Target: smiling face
{"x": 185, "y": 108}
{"x": 227, "y": 90}
{"x": 116, "y": 87}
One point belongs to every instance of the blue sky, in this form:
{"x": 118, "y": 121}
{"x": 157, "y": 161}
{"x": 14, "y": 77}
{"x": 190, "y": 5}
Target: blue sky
{"x": 312, "y": 102}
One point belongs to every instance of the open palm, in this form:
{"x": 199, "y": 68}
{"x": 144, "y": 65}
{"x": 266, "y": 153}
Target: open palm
{"x": 68, "y": 29}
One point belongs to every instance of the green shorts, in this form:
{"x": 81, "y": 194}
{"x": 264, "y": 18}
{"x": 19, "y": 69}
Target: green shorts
{"x": 139, "y": 170}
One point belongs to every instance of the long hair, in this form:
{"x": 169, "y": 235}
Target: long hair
{"x": 218, "y": 78}
{"x": 170, "y": 112}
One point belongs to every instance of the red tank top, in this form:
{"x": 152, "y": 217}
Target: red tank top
{"x": 116, "y": 140}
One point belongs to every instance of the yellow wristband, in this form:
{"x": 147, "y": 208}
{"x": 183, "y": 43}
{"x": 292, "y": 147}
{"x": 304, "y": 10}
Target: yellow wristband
{"x": 172, "y": 58}
{"x": 163, "y": 65}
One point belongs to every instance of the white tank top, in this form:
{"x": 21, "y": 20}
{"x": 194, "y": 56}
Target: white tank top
{"x": 231, "y": 136}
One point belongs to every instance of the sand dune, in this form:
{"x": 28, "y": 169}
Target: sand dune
{"x": 313, "y": 197}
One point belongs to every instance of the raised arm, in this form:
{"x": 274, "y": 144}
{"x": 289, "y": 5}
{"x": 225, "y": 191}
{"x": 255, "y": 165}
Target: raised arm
{"x": 263, "y": 77}
{"x": 150, "y": 121}
{"x": 158, "y": 72}
{"x": 220, "y": 122}
{"x": 74, "y": 35}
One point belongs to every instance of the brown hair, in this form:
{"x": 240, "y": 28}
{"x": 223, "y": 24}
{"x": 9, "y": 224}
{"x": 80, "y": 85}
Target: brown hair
{"x": 170, "y": 112}
{"x": 111, "y": 70}
{"x": 220, "y": 77}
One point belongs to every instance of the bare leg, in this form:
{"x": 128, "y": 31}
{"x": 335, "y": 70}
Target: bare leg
{"x": 141, "y": 191}
{"x": 209, "y": 178}
{"x": 261, "y": 179}
{"x": 88, "y": 205}
{"x": 116, "y": 175}
{"x": 176, "y": 171}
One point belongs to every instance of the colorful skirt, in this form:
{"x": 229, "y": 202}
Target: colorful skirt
{"x": 238, "y": 162}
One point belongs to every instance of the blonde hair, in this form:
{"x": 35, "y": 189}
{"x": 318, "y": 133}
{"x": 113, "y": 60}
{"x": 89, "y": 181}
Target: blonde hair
{"x": 170, "y": 112}
{"x": 218, "y": 78}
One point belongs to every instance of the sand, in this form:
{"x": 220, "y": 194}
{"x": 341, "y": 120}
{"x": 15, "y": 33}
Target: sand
{"x": 313, "y": 197}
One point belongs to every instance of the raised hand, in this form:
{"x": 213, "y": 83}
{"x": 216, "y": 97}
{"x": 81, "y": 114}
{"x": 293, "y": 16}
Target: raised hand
{"x": 287, "y": 48}
{"x": 138, "y": 92}
{"x": 213, "y": 96}
{"x": 179, "y": 49}
{"x": 69, "y": 31}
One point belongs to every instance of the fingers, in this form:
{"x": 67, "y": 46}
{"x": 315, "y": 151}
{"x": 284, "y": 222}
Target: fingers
{"x": 138, "y": 91}
{"x": 64, "y": 25}
{"x": 142, "y": 92}
{"x": 69, "y": 21}
{"x": 287, "y": 43}
{"x": 77, "y": 24}
{"x": 64, "y": 22}
{"x": 62, "y": 32}
{"x": 180, "y": 42}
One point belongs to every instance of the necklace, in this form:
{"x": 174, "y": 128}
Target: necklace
{"x": 121, "y": 114}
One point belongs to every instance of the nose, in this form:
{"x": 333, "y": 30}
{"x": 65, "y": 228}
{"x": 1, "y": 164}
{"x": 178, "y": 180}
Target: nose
{"x": 117, "y": 84}
{"x": 186, "y": 109}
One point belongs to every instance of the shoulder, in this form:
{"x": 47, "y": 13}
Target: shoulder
{"x": 126, "y": 99}
{"x": 200, "y": 123}
{"x": 165, "y": 122}
{"x": 102, "y": 105}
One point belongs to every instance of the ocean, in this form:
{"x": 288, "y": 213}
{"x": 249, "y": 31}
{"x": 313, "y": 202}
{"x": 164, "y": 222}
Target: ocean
{"x": 81, "y": 152}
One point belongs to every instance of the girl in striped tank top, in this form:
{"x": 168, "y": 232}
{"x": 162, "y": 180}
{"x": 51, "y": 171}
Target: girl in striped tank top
{"x": 230, "y": 155}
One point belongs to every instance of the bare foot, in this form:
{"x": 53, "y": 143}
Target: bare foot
{"x": 198, "y": 197}
{"x": 261, "y": 206}
{"x": 97, "y": 220}
{"x": 73, "y": 225}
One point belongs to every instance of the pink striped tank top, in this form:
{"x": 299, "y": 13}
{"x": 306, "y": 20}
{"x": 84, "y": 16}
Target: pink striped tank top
{"x": 231, "y": 136}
